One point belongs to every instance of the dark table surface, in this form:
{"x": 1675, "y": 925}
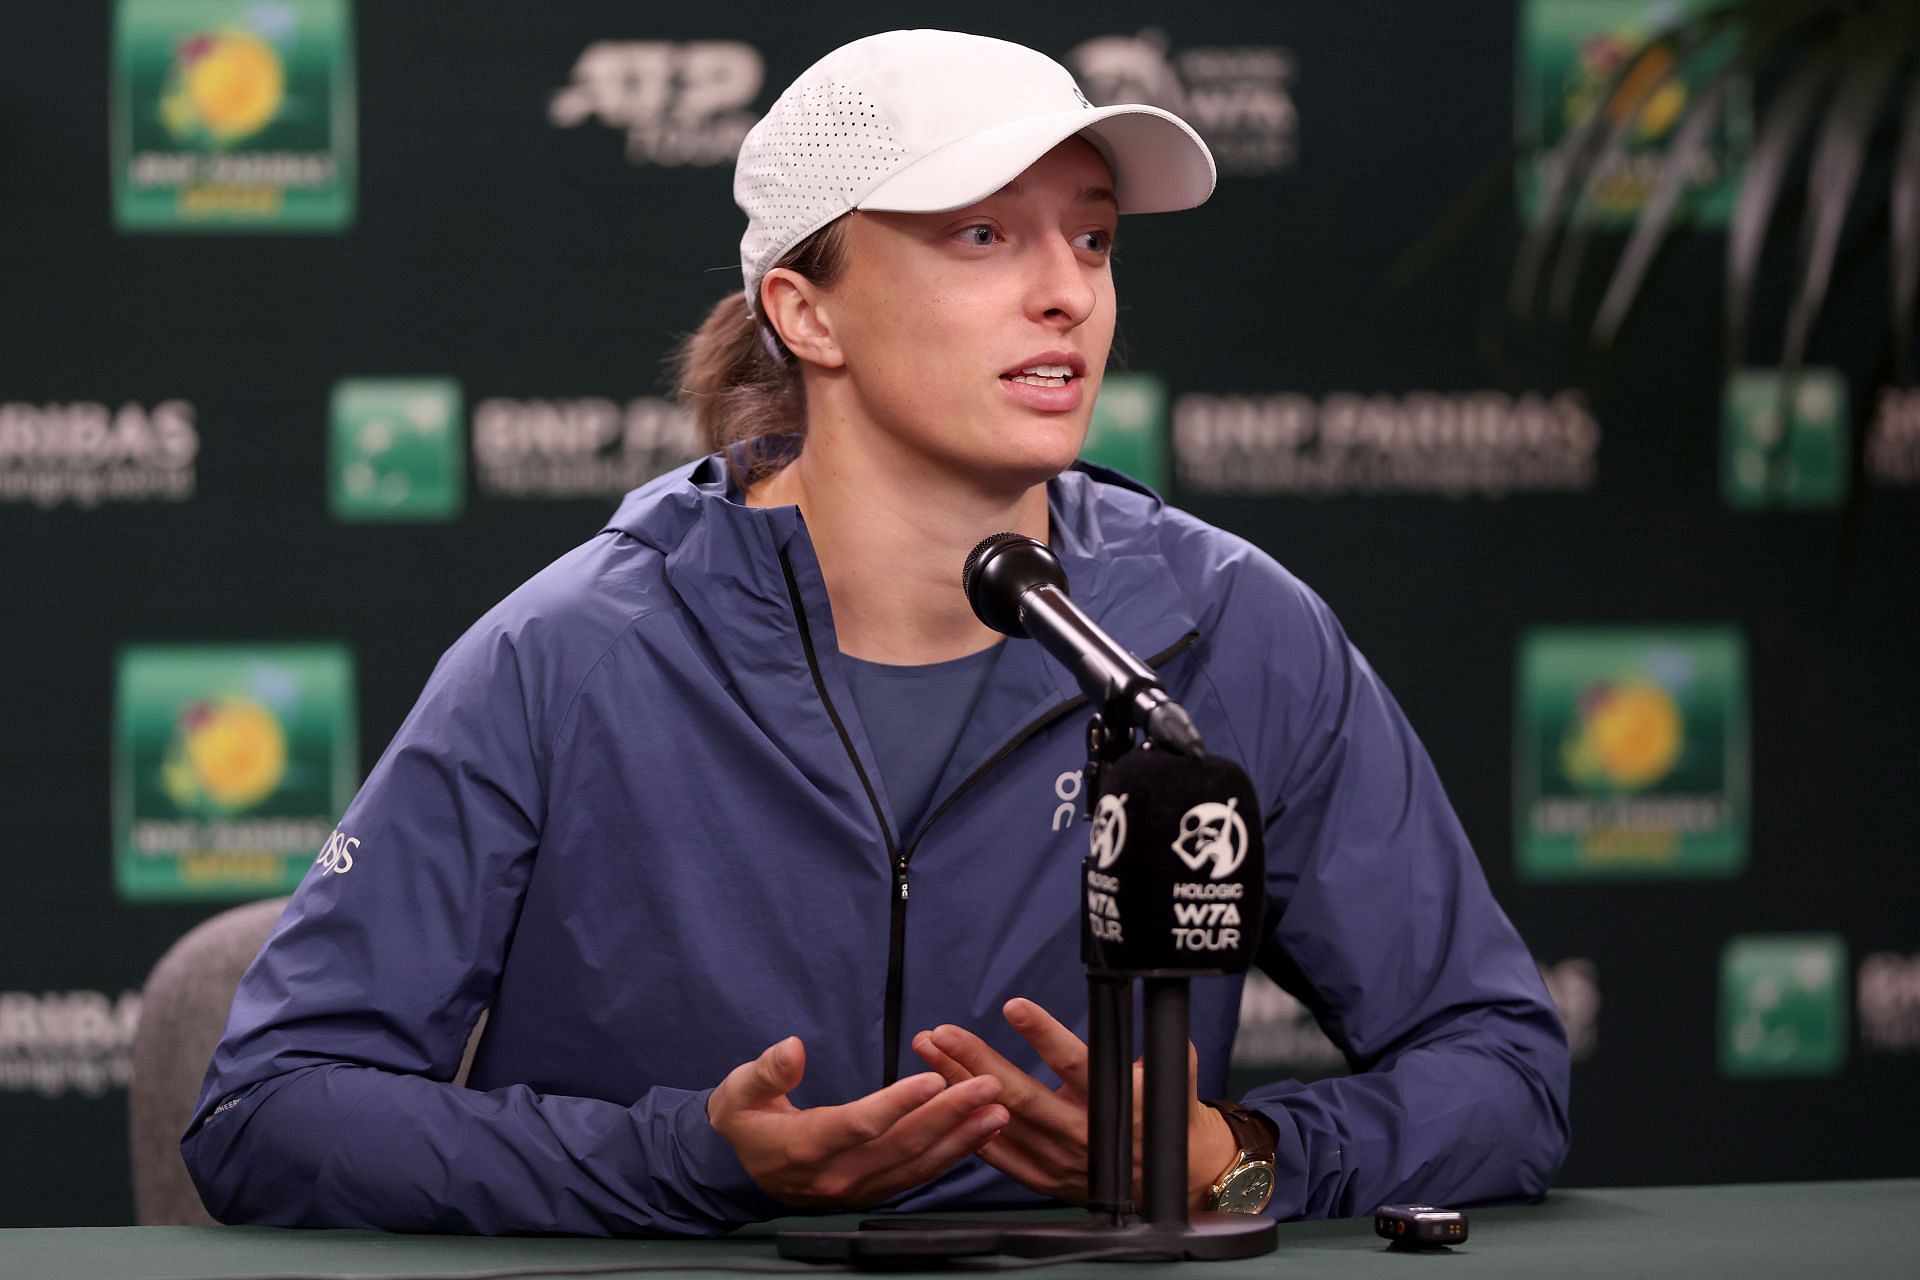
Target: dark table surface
{"x": 1827, "y": 1229}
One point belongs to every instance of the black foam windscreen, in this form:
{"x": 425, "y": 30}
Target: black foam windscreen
{"x": 1176, "y": 867}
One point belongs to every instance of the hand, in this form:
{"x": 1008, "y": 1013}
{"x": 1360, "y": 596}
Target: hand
{"x": 855, "y": 1154}
{"x": 1044, "y": 1145}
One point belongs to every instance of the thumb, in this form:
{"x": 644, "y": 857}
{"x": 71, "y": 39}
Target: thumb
{"x": 773, "y": 1074}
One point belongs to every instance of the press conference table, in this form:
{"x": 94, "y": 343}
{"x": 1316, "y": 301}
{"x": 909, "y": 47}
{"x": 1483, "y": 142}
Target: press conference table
{"x": 1838, "y": 1229}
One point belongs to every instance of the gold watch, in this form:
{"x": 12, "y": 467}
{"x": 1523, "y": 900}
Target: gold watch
{"x": 1247, "y": 1184}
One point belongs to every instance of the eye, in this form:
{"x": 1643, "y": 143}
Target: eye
{"x": 1098, "y": 240}
{"x": 979, "y": 235}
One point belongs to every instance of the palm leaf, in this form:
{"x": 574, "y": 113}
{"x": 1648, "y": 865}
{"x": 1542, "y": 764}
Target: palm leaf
{"x": 1905, "y": 231}
{"x": 1676, "y": 40}
{"x": 1689, "y": 144}
{"x": 1831, "y": 178}
{"x": 1774, "y": 144}
{"x": 1835, "y": 172}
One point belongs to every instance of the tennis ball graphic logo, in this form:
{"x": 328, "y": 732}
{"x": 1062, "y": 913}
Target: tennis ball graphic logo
{"x": 227, "y": 754}
{"x": 1626, "y": 736}
{"x": 1601, "y": 58}
{"x": 223, "y": 86}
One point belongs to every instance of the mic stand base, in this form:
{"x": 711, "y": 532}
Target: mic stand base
{"x": 898, "y": 1242}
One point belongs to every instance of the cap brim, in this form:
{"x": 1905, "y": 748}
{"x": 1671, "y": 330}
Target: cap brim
{"x": 1159, "y": 163}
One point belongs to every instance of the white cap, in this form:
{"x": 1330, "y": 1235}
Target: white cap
{"x": 924, "y": 121}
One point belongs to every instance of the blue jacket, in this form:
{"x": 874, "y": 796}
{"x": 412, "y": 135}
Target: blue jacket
{"x": 634, "y": 815}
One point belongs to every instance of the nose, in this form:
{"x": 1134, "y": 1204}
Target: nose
{"x": 1060, "y": 286}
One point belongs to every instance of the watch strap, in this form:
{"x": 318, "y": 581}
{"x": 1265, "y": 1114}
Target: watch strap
{"x": 1255, "y": 1134}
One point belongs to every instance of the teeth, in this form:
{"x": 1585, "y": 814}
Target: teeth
{"x": 1044, "y": 375}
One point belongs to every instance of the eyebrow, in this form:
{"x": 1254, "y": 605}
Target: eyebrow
{"x": 1086, "y": 195}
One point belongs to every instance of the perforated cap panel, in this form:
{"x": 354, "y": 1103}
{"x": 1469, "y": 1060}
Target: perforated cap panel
{"x": 819, "y": 149}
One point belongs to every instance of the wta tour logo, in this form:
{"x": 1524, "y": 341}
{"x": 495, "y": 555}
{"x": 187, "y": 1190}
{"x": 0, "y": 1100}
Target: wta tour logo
{"x": 1631, "y": 753}
{"x": 1108, "y": 837}
{"x": 1238, "y": 97}
{"x": 1212, "y": 835}
{"x": 228, "y": 765}
{"x": 233, "y": 113}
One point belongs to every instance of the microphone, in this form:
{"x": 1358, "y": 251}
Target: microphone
{"x": 1175, "y": 868}
{"x": 1016, "y": 586}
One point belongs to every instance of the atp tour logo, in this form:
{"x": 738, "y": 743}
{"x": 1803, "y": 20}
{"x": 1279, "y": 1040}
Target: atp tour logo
{"x": 679, "y": 103}
{"x": 1109, "y": 834}
{"x": 1214, "y": 833}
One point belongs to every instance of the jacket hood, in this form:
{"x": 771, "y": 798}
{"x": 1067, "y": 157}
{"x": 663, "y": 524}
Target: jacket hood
{"x": 1105, "y": 527}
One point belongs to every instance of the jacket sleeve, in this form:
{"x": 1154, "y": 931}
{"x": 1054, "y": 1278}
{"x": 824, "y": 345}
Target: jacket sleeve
{"x": 328, "y": 1102}
{"x": 1383, "y": 924}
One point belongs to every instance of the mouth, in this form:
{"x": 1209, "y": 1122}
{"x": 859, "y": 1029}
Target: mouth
{"x": 1048, "y": 369}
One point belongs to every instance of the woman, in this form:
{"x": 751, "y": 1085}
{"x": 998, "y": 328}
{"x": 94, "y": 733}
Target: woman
{"x": 745, "y": 765}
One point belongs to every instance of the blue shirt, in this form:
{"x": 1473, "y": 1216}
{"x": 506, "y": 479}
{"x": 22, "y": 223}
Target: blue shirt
{"x": 913, "y": 717}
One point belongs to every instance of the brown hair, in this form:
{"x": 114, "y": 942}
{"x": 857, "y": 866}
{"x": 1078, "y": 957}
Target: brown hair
{"x": 734, "y": 374}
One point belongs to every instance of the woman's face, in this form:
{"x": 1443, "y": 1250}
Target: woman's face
{"x": 975, "y": 339}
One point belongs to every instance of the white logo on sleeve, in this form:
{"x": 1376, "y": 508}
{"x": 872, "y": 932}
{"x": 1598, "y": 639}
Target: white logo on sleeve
{"x": 1109, "y": 834}
{"x": 1215, "y": 833}
{"x": 337, "y": 856}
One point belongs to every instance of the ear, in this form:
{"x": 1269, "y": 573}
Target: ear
{"x": 794, "y": 306}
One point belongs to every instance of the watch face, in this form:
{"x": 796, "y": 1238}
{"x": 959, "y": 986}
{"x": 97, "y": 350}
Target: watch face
{"x": 1247, "y": 1190}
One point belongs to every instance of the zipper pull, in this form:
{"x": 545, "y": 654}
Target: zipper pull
{"x": 900, "y": 875}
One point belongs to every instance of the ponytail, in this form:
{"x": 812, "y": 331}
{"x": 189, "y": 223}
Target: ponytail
{"x": 737, "y": 378}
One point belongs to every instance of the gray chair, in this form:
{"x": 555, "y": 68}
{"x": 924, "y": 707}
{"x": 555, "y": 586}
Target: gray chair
{"x": 182, "y": 1013}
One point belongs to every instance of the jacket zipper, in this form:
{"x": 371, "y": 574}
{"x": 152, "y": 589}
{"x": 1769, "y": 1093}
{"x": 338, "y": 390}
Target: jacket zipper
{"x": 897, "y": 857}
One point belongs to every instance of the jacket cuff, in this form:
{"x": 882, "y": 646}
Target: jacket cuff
{"x": 712, "y": 1178}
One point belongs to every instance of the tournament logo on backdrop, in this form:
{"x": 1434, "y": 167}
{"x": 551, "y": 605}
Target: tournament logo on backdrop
{"x": 1630, "y": 753}
{"x": 1571, "y": 52}
{"x": 1279, "y": 1033}
{"x": 229, "y": 766}
{"x": 1455, "y": 444}
{"x": 1574, "y": 985}
{"x": 1888, "y": 991}
{"x": 1128, "y": 428}
{"x": 233, "y": 115}
{"x": 578, "y": 447}
{"x": 678, "y": 103}
{"x": 1237, "y": 97}
{"x": 88, "y": 454}
{"x": 1805, "y": 463}
{"x": 1893, "y": 445}
{"x": 1783, "y": 1005}
{"x": 397, "y": 449}
{"x": 59, "y": 1042}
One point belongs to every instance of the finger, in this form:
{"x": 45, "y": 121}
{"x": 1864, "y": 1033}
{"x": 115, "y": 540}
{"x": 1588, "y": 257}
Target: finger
{"x": 769, "y": 1077}
{"x": 1022, "y": 1094}
{"x": 925, "y": 1126}
{"x": 835, "y": 1129}
{"x": 1064, "y": 1052}
{"x": 957, "y": 1144}
{"x": 930, "y": 1054}
{"x": 1029, "y": 1169}
{"x": 929, "y": 1142}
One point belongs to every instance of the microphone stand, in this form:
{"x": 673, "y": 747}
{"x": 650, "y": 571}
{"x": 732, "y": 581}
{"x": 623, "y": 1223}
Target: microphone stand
{"x": 1113, "y": 1230}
